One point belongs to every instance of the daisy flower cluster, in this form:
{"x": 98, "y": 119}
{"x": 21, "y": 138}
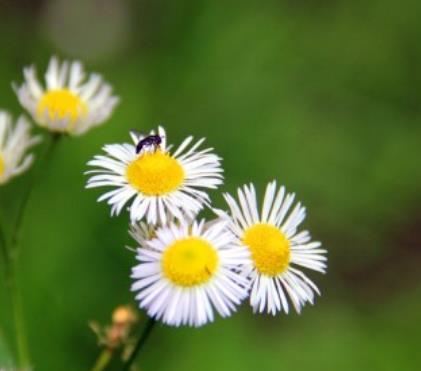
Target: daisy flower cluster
{"x": 188, "y": 268}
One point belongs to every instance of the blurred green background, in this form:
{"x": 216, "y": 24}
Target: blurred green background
{"x": 324, "y": 96}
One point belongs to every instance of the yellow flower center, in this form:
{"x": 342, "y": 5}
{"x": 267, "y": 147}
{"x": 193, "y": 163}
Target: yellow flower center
{"x": 189, "y": 262}
{"x": 270, "y": 249}
{"x": 62, "y": 104}
{"x": 2, "y": 166}
{"x": 155, "y": 173}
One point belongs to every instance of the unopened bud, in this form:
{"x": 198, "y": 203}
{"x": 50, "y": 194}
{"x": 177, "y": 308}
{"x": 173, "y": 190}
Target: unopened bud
{"x": 124, "y": 316}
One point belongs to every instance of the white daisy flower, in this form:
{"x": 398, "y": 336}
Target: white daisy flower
{"x": 14, "y": 143}
{"x": 276, "y": 249}
{"x": 70, "y": 103}
{"x": 188, "y": 270}
{"x": 161, "y": 183}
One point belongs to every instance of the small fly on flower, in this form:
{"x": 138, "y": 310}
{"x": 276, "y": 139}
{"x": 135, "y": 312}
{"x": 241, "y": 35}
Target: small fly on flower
{"x": 154, "y": 140}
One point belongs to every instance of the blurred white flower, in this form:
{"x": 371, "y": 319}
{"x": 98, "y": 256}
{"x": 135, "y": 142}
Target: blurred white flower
{"x": 161, "y": 183}
{"x": 14, "y": 143}
{"x": 189, "y": 270}
{"x": 275, "y": 247}
{"x": 70, "y": 103}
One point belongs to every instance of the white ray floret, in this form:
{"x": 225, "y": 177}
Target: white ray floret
{"x": 15, "y": 140}
{"x": 189, "y": 271}
{"x": 278, "y": 251}
{"x": 70, "y": 102}
{"x": 158, "y": 183}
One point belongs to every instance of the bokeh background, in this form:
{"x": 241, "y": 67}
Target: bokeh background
{"x": 324, "y": 96}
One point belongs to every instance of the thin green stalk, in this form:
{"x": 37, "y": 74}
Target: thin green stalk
{"x": 103, "y": 360}
{"x": 140, "y": 343}
{"x": 18, "y": 317}
{"x": 12, "y": 265}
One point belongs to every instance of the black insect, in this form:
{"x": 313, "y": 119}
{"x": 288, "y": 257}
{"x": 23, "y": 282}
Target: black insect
{"x": 151, "y": 140}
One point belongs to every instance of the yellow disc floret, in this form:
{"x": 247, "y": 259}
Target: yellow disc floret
{"x": 155, "y": 173}
{"x": 61, "y": 104}
{"x": 189, "y": 262}
{"x": 2, "y": 166}
{"x": 270, "y": 249}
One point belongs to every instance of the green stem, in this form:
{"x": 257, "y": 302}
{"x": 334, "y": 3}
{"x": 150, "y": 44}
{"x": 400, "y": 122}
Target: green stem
{"x": 103, "y": 360}
{"x": 18, "y": 317}
{"x": 140, "y": 343}
{"x": 12, "y": 265}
